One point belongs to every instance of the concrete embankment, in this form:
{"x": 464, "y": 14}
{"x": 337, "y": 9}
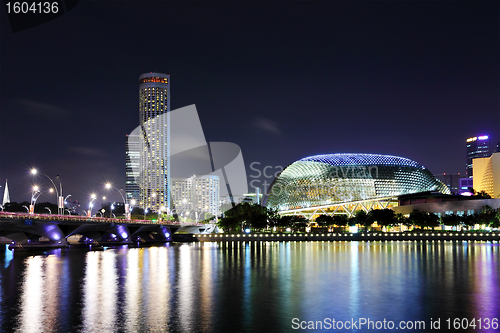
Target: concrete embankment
{"x": 375, "y": 236}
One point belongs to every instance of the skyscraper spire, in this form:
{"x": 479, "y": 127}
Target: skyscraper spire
{"x": 6, "y": 196}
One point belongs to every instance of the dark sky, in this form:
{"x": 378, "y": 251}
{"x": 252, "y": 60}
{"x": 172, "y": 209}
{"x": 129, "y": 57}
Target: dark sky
{"x": 283, "y": 80}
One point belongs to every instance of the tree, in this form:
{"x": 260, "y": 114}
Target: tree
{"x": 324, "y": 220}
{"x": 340, "y": 220}
{"x": 451, "y": 220}
{"x": 285, "y": 221}
{"x": 431, "y": 220}
{"x": 417, "y": 218}
{"x": 403, "y": 220}
{"x": 496, "y": 223}
{"x": 229, "y": 223}
{"x": 361, "y": 218}
{"x": 483, "y": 194}
{"x": 254, "y": 216}
{"x": 487, "y": 215}
{"x": 383, "y": 217}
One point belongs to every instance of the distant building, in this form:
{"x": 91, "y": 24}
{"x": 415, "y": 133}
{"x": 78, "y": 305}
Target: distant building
{"x": 196, "y": 197}
{"x": 466, "y": 186}
{"x": 476, "y": 147}
{"x": 498, "y": 147}
{"x": 6, "y": 195}
{"x": 452, "y": 181}
{"x": 132, "y": 165}
{"x": 487, "y": 175}
{"x": 442, "y": 204}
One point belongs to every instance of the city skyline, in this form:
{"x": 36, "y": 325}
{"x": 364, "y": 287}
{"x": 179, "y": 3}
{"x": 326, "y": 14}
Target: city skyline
{"x": 405, "y": 79}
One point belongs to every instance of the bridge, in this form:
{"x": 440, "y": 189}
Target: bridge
{"x": 52, "y": 231}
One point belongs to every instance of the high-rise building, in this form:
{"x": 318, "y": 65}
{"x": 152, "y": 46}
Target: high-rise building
{"x": 476, "y": 147}
{"x": 132, "y": 165}
{"x": 154, "y": 141}
{"x": 487, "y": 175}
{"x": 195, "y": 197}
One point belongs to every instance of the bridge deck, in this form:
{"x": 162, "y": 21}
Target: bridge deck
{"x": 75, "y": 218}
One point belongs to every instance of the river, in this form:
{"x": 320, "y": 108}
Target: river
{"x": 253, "y": 287}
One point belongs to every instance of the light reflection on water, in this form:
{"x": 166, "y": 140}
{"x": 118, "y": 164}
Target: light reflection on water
{"x": 253, "y": 286}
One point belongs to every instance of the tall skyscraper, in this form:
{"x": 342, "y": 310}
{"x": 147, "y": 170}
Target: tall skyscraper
{"x": 477, "y": 147}
{"x": 154, "y": 180}
{"x": 132, "y": 165}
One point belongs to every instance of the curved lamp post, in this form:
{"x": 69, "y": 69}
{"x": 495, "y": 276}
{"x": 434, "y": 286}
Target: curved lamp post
{"x": 93, "y": 198}
{"x": 34, "y": 196}
{"x": 60, "y": 199}
{"x": 127, "y": 211}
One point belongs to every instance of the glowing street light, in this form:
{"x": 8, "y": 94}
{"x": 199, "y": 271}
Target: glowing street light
{"x": 93, "y": 197}
{"x": 34, "y": 196}
{"x": 60, "y": 198}
{"x": 127, "y": 211}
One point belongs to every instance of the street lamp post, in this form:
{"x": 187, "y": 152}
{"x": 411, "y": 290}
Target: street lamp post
{"x": 127, "y": 211}
{"x": 34, "y": 196}
{"x": 93, "y": 197}
{"x": 60, "y": 198}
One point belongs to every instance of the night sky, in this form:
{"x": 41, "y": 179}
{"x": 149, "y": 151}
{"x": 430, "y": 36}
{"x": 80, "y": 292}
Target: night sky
{"x": 283, "y": 80}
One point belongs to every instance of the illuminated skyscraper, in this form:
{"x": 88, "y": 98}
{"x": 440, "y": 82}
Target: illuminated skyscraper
{"x": 132, "y": 165}
{"x": 154, "y": 141}
{"x": 477, "y": 147}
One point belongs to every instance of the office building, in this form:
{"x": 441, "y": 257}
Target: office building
{"x": 466, "y": 186}
{"x": 154, "y": 141}
{"x": 452, "y": 181}
{"x": 476, "y": 147}
{"x": 487, "y": 175}
{"x": 196, "y": 198}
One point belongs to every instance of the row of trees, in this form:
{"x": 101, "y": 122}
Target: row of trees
{"x": 487, "y": 216}
{"x": 257, "y": 217}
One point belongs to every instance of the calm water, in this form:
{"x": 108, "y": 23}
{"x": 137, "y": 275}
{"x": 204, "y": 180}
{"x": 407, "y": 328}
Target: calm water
{"x": 247, "y": 287}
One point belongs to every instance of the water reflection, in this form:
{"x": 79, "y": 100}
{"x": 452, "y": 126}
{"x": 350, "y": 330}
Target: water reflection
{"x": 39, "y": 299}
{"x": 252, "y": 286}
{"x": 100, "y": 292}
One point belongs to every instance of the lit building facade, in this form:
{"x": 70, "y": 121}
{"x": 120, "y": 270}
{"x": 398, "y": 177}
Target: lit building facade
{"x": 487, "y": 175}
{"x": 344, "y": 183}
{"x": 476, "y": 147}
{"x": 466, "y": 185}
{"x": 132, "y": 166}
{"x": 154, "y": 141}
{"x": 196, "y": 197}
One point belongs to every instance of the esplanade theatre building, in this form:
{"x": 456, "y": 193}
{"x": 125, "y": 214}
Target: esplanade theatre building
{"x": 346, "y": 183}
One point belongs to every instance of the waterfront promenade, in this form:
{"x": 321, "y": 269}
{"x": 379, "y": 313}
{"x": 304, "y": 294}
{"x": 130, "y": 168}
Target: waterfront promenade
{"x": 427, "y": 235}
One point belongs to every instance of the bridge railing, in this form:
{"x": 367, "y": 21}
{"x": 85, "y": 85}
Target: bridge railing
{"x": 77, "y": 218}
